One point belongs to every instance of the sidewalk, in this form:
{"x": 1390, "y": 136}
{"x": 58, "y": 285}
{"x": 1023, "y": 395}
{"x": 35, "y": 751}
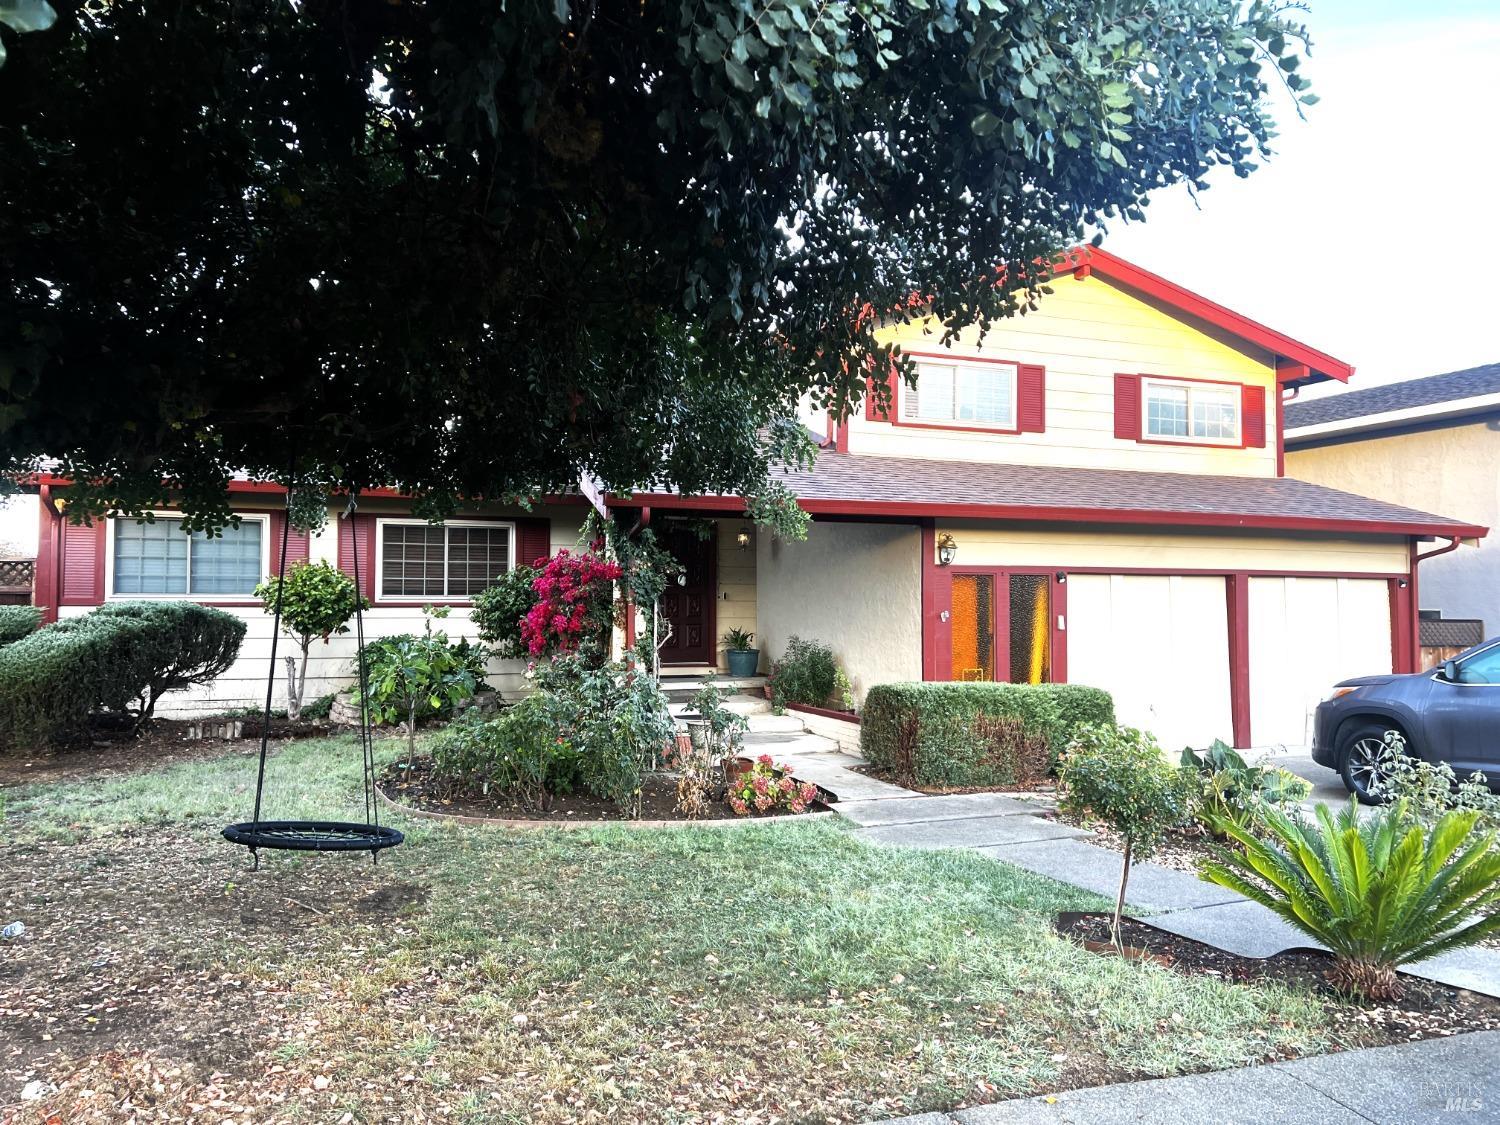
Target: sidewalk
{"x": 1452, "y": 1081}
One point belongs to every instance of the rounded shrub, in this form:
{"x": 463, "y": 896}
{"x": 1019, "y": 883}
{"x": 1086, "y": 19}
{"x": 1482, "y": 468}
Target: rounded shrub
{"x": 17, "y": 621}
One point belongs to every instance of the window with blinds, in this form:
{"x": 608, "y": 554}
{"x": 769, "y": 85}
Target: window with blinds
{"x": 449, "y": 562}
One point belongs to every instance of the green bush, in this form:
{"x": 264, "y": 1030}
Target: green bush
{"x": 17, "y": 621}
{"x": 524, "y": 753}
{"x": 939, "y": 734}
{"x": 317, "y": 601}
{"x": 1378, "y": 890}
{"x": 1120, "y": 776}
{"x": 121, "y": 657}
{"x": 1431, "y": 789}
{"x": 413, "y": 676}
{"x": 498, "y": 609}
{"x": 806, "y": 673}
{"x": 1226, "y": 787}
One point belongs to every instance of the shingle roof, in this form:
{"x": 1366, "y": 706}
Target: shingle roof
{"x": 1450, "y": 633}
{"x": 1406, "y": 395}
{"x": 912, "y": 486}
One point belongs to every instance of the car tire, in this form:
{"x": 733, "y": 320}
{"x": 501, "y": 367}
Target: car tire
{"x": 1360, "y": 745}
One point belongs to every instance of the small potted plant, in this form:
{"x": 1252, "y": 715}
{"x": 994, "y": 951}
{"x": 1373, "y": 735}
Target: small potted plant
{"x": 741, "y": 657}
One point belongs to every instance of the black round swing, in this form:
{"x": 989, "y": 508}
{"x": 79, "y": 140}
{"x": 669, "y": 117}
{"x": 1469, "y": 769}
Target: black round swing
{"x": 317, "y": 835}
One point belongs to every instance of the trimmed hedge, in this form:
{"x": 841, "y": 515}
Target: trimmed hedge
{"x": 939, "y": 734}
{"x": 121, "y": 657}
{"x": 17, "y": 621}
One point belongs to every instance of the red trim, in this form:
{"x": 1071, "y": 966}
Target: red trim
{"x": 1280, "y": 433}
{"x": 1253, "y": 416}
{"x": 1118, "y": 270}
{"x": 1287, "y": 372}
{"x": 45, "y": 585}
{"x": 826, "y": 712}
{"x": 1128, "y": 421}
{"x": 1031, "y": 398}
{"x": 937, "y": 599}
{"x": 1059, "y": 632}
{"x": 1237, "y": 598}
{"x": 1403, "y": 649}
{"x": 841, "y": 437}
{"x": 82, "y": 564}
{"x": 1200, "y": 572}
{"x": 1146, "y": 439}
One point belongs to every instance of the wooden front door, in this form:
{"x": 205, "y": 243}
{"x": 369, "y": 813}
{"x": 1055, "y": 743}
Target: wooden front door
{"x": 688, "y": 606}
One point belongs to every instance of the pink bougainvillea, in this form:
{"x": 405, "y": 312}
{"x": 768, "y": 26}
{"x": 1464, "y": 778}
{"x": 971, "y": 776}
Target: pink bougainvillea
{"x": 575, "y": 604}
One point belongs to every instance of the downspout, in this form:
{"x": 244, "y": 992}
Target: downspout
{"x": 1418, "y": 557}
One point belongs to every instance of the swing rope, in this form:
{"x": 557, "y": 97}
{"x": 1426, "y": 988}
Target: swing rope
{"x": 317, "y": 835}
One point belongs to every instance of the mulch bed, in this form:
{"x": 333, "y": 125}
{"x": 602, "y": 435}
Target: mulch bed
{"x": 421, "y": 789}
{"x": 1426, "y": 1010}
{"x": 112, "y": 751}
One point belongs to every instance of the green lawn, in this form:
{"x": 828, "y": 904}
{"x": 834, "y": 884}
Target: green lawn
{"x": 776, "y": 971}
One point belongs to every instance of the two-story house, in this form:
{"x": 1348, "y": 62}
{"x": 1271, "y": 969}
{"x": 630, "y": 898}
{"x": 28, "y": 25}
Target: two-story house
{"x": 1093, "y": 493}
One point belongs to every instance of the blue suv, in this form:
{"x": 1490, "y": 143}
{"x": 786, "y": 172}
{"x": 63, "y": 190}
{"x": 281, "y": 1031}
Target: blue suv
{"x": 1448, "y": 714}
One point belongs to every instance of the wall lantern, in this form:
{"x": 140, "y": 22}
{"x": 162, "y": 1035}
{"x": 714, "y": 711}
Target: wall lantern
{"x": 947, "y": 548}
{"x": 743, "y": 538}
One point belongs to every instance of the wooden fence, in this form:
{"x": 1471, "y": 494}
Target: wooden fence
{"x": 16, "y": 577}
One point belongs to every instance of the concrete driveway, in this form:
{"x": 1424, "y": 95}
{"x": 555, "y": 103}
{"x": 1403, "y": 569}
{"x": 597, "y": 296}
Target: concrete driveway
{"x": 1327, "y": 787}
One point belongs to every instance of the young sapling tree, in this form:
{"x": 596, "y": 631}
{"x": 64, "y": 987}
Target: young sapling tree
{"x": 317, "y": 602}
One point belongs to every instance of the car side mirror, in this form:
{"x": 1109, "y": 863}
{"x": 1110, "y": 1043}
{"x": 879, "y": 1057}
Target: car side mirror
{"x": 1450, "y": 671}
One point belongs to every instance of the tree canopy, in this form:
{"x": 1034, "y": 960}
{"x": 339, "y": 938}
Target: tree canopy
{"x": 467, "y": 248}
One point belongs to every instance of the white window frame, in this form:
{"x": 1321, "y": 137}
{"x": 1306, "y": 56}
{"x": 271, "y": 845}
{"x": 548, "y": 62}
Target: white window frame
{"x": 1234, "y": 390}
{"x": 382, "y": 522}
{"x": 262, "y": 518}
{"x": 989, "y": 366}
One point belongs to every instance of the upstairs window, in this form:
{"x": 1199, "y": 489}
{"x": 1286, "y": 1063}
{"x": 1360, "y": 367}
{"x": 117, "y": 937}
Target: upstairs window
{"x": 158, "y": 559}
{"x": 420, "y": 561}
{"x": 1179, "y": 410}
{"x": 963, "y": 394}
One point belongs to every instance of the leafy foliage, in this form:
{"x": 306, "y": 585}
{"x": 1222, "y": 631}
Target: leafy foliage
{"x": 738, "y": 640}
{"x": 121, "y": 657}
{"x": 947, "y": 734}
{"x": 365, "y": 239}
{"x": 317, "y": 602}
{"x": 524, "y": 753}
{"x": 411, "y": 676}
{"x": 766, "y": 787}
{"x": 17, "y": 621}
{"x": 1378, "y": 890}
{"x": 1226, "y": 787}
{"x": 1120, "y": 776}
{"x": 806, "y": 673}
{"x": 499, "y": 608}
{"x": 617, "y": 717}
{"x": 574, "y": 608}
{"x": 1431, "y": 789}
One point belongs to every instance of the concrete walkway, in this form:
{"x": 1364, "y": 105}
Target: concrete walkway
{"x": 1012, "y": 831}
{"x": 1454, "y": 1081}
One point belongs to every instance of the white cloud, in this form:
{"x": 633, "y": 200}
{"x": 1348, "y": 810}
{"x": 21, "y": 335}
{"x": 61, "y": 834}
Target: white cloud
{"x": 1373, "y": 234}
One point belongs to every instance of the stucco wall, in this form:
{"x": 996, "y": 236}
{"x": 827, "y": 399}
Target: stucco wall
{"x": 855, "y": 586}
{"x": 1083, "y": 333}
{"x": 1452, "y": 472}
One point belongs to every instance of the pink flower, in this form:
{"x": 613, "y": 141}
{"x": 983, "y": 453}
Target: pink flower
{"x": 761, "y": 785}
{"x": 798, "y": 807}
{"x": 787, "y": 785}
{"x": 808, "y": 792}
{"x": 738, "y": 806}
{"x": 764, "y": 759}
{"x": 763, "y": 802}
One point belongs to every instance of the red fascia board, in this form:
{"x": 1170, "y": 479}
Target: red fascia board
{"x": 1127, "y": 273}
{"x": 917, "y": 509}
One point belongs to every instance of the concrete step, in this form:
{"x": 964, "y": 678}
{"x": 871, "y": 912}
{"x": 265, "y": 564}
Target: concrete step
{"x": 767, "y": 722}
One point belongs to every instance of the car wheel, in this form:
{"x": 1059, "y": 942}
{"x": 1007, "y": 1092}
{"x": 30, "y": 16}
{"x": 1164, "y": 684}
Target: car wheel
{"x": 1360, "y": 748}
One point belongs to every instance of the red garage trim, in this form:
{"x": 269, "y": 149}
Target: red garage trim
{"x": 45, "y": 583}
{"x": 1404, "y": 654}
{"x": 1237, "y": 597}
{"x": 937, "y": 601}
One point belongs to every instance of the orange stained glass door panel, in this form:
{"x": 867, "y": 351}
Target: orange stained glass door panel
{"x": 973, "y": 623}
{"x": 1030, "y": 629}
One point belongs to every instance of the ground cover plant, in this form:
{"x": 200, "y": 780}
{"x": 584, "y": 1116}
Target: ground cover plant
{"x": 773, "y": 971}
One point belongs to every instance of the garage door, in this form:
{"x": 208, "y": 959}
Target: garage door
{"x": 1306, "y": 634}
{"x": 1160, "y": 646}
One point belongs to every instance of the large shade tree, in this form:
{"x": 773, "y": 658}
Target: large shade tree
{"x": 476, "y": 248}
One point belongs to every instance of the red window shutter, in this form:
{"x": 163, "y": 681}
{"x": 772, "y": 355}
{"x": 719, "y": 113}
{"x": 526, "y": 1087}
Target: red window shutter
{"x": 533, "y": 541}
{"x": 297, "y": 543}
{"x": 357, "y": 533}
{"x": 1128, "y": 407}
{"x": 873, "y": 412}
{"x": 1253, "y": 417}
{"x": 82, "y": 564}
{"x": 1031, "y": 399}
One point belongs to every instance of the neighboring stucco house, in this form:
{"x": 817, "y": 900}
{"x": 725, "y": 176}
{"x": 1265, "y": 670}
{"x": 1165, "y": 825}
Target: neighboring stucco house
{"x": 1093, "y": 494}
{"x": 1428, "y": 443}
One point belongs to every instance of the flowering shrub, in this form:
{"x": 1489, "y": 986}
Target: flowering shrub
{"x": 768, "y": 787}
{"x": 574, "y": 608}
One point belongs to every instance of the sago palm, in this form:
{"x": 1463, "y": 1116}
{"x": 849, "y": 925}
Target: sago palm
{"x": 1378, "y": 894}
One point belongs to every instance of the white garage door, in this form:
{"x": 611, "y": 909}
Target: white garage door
{"x": 1306, "y": 634}
{"x": 1160, "y": 646}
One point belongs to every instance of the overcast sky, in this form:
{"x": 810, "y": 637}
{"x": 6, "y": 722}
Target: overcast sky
{"x": 1372, "y": 233}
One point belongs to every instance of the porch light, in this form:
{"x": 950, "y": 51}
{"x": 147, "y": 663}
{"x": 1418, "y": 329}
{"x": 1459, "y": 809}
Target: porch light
{"x": 743, "y": 538}
{"x": 947, "y": 548}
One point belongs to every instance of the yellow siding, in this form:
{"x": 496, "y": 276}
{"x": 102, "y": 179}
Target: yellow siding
{"x": 1038, "y": 546}
{"x": 1083, "y": 334}
{"x": 736, "y": 608}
